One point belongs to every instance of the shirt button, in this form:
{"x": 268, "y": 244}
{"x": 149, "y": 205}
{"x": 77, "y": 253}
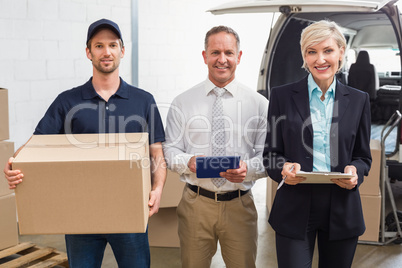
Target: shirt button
{"x": 107, "y": 107}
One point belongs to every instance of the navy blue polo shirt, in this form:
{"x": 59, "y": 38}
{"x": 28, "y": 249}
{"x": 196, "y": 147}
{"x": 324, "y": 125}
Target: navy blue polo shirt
{"x": 82, "y": 110}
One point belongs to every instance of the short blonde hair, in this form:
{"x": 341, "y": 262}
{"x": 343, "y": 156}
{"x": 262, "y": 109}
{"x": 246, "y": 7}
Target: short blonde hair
{"x": 320, "y": 31}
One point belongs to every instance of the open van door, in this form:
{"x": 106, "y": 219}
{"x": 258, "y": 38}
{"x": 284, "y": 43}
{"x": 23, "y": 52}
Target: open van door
{"x": 295, "y": 6}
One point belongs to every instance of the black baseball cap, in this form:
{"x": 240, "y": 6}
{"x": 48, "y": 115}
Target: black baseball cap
{"x": 101, "y": 24}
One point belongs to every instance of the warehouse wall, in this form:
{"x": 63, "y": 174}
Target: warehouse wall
{"x": 42, "y": 49}
{"x": 42, "y": 52}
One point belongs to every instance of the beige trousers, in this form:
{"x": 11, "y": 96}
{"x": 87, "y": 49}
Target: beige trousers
{"x": 202, "y": 222}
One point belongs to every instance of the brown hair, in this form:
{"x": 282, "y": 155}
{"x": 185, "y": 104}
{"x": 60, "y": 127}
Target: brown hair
{"x": 219, "y": 29}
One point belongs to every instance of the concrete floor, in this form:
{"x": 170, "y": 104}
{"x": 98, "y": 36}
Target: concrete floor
{"x": 367, "y": 256}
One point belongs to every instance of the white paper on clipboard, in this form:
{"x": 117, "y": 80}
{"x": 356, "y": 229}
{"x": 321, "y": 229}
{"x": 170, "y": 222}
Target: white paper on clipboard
{"x": 322, "y": 177}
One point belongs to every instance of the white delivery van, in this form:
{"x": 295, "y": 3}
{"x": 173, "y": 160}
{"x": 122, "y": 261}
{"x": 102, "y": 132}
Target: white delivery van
{"x": 373, "y": 27}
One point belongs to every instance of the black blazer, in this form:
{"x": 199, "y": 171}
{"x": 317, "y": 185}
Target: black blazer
{"x": 290, "y": 139}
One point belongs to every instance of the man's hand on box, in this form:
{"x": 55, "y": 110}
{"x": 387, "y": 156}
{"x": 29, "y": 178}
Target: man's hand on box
{"x": 14, "y": 177}
{"x": 154, "y": 201}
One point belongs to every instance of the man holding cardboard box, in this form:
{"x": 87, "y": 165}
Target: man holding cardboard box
{"x": 106, "y": 104}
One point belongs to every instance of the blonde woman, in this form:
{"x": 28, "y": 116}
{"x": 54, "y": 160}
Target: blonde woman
{"x": 318, "y": 124}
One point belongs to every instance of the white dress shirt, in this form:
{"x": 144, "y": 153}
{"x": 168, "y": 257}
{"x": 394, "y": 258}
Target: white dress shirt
{"x": 189, "y": 125}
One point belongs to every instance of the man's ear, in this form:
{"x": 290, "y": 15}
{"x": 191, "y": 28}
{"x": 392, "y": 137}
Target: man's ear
{"x": 204, "y": 55}
{"x": 89, "y": 55}
{"x": 239, "y": 56}
{"x": 123, "y": 50}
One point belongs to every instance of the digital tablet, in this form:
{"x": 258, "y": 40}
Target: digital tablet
{"x": 211, "y": 166}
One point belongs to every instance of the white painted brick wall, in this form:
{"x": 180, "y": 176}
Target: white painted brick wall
{"x": 72, "y": 10}
{"x": 30, "y": 70}
{"x": 43, "y": 49}
{"x": 42, "y": 44}
{"x": 43, "y": 10}
{"x": 16, "y": 9}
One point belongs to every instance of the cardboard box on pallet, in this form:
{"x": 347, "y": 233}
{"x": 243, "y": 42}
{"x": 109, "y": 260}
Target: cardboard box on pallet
{"x": 371, "y": 184}
{"x": 162, "y": 228}
{"x": 84, "y": 183}
{"x": 8, "y": 222}
{"x": 372, "y": 213}
{"x": 6, "y": 151}
{"x": 172, "y": 191}
{"x": 4, "y": 124}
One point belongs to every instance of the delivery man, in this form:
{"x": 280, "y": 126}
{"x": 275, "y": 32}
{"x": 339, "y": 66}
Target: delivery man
{"x": 106, "y": 104}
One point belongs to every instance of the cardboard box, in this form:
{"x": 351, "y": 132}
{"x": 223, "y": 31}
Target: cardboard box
{"x": 162, "y": 229}
{"x": 8, "y": 222}
{"x": 85, "y": 183}
{"x": 271, "y": 191}
{"x": 371, "y": 184}
{"x": 4, "y": 124}
{"x": 173, "y": 190}
{"x": 6, "y": 151}
{"x": 372, "y": 214}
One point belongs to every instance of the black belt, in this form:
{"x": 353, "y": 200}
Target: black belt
{"x": 213, "y": 195}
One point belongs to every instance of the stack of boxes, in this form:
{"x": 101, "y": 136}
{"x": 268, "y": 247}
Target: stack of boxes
{"x": 162, "y": 227}
{"x": 369, "y": 193}
{"x": 8, "y": 218}
{"x": 371, "y": 196}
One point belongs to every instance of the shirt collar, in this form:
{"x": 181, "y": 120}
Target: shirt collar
{"x": 312, "y": 85}
{"x": 90, "y": 93}
{"x": 231, "y": 87}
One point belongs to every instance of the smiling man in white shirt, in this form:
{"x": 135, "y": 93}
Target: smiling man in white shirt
{"x": 208, "y": 211}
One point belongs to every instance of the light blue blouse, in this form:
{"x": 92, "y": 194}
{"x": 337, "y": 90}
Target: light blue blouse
{"x": 321, "y": 119}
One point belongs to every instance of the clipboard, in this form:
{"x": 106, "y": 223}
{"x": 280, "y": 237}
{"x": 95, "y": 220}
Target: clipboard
{"x": 211, "y": 166}
{"x": 322, "y": 177}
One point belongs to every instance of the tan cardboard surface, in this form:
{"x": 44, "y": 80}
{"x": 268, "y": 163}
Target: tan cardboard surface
{"x": 87, "y": 183}
{"x": 371, "y": 184}
{"x": 371, "y": 211}
{"x": 4, "y": 123}
{"x": 271, "y": 191}
{"x": 172, "y": 191}
{"x": 162, "y": 229}
{"x": 6, "y": 151}
{"x": 8, "y": 222}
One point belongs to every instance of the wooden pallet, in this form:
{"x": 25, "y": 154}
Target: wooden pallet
{"x": 29, "y": 255}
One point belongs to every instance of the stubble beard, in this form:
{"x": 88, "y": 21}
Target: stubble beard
{"x": 106, "y": 70}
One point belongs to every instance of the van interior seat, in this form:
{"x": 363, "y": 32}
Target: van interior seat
{"x": 363, "y": 75}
